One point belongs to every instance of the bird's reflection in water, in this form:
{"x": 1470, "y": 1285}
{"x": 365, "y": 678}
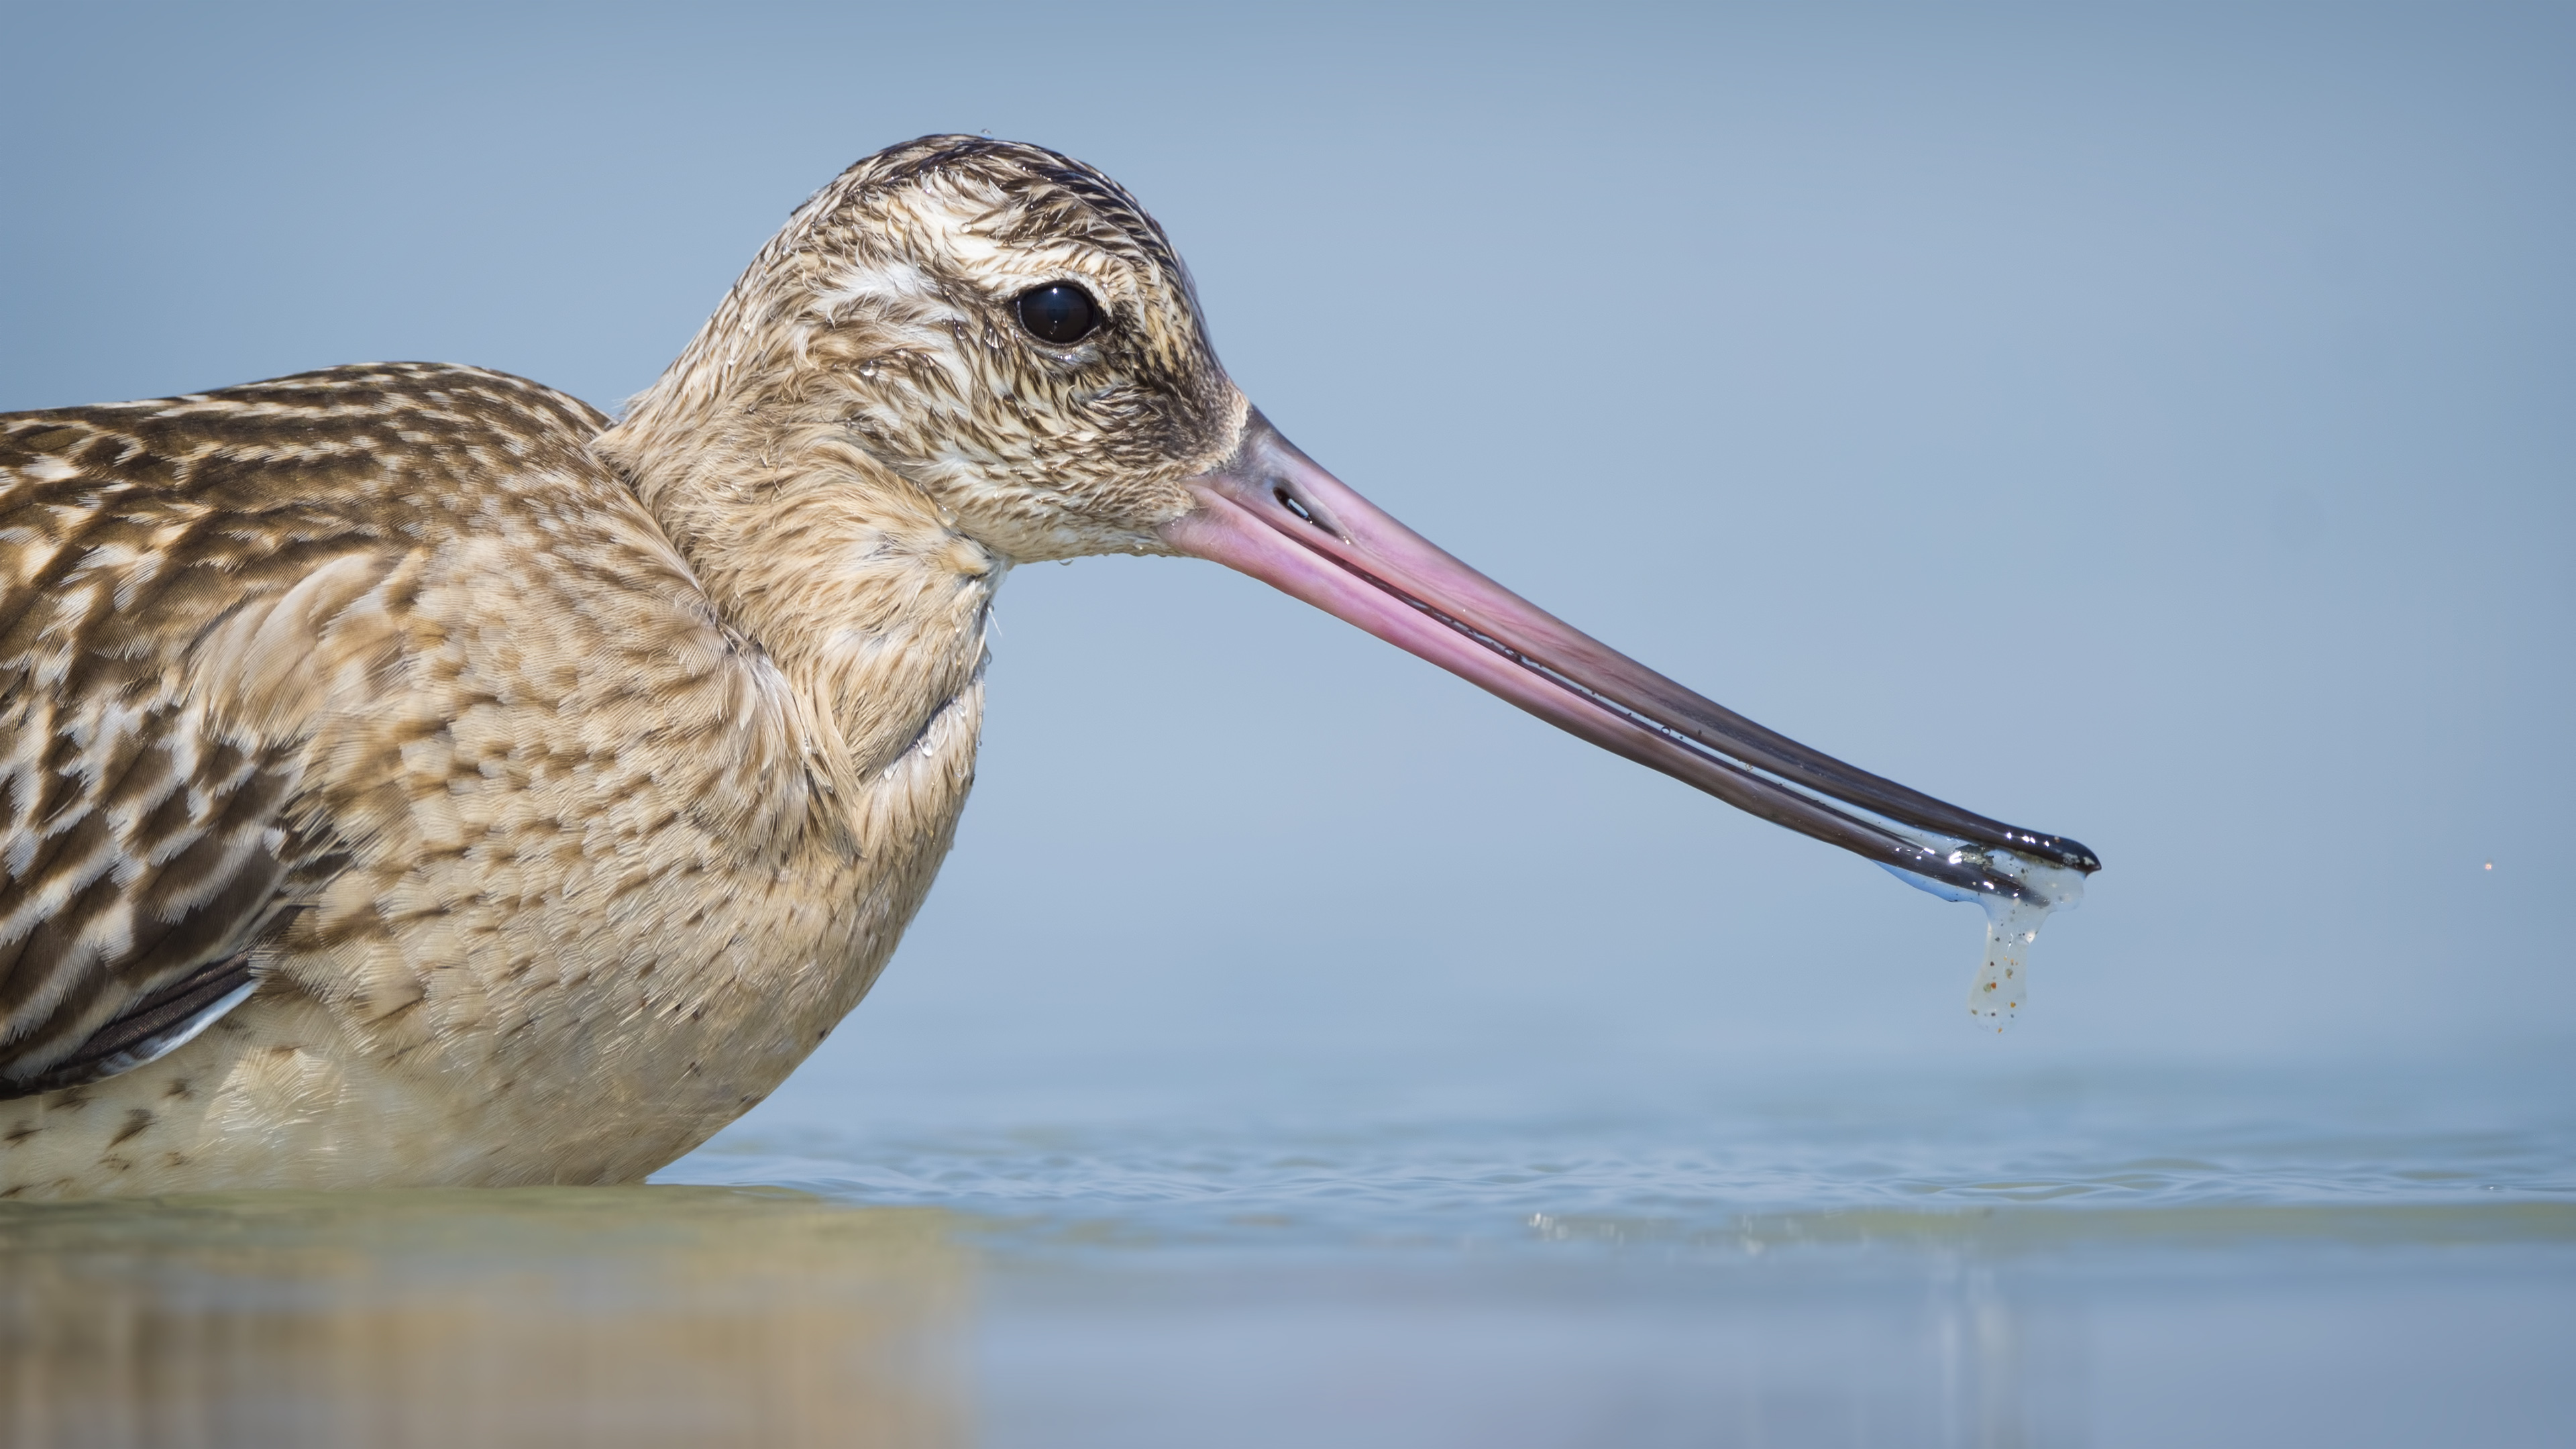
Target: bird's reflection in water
{"x": 638, "y": 1317}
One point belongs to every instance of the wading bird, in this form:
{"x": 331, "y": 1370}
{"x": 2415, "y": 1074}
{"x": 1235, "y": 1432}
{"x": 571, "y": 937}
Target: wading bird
{"x": 409, "y": 775}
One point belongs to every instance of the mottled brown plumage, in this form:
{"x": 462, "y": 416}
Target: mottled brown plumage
{"x": 556, "y": 784}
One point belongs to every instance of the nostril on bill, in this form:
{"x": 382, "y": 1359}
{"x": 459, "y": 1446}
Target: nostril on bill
{"x": 1291, "y": 502}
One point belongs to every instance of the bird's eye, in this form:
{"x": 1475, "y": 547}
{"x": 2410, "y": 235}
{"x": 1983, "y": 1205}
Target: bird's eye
{"x": 1058, "y": 312}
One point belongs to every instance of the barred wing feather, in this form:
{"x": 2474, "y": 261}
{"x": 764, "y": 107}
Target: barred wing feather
{"x": 188, "y": 588}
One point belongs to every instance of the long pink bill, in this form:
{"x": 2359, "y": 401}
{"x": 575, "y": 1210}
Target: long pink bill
{"x": 1271, "y": 512}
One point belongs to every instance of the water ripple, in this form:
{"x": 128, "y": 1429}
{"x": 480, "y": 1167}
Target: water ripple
{"x": 1659, "y": 1175}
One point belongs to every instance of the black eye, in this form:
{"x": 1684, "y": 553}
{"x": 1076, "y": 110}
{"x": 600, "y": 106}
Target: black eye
{"x": 1058, "y": 312}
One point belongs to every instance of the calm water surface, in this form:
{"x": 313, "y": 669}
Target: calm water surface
{"x": 2152, "y": 1256}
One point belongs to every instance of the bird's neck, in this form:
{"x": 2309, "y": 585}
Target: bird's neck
{"x": 855, "y": 583}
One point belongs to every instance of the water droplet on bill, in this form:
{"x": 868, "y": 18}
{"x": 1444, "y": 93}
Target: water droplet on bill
{"x": 2002, "y": 983}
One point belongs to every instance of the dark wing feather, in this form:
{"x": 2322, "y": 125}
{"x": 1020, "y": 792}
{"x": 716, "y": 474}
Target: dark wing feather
{"x": 185, "y": 587}
{"x": 153, "y": 1027}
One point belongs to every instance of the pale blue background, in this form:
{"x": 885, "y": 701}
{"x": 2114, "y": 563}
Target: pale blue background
{"x": 2154, "y": 425}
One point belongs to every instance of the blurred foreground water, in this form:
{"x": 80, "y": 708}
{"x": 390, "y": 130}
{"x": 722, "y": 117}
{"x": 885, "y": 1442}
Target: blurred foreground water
{"x": 2053, "y": 1257}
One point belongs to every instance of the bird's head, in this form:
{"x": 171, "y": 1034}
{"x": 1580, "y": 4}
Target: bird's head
{"x": 1003, "y": 327}
{"x": 1008, "y": 332}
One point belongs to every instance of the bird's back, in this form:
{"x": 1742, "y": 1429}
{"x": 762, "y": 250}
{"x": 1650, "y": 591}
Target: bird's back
{"x": 373, "y": 687}
{"x": 183, "y": 584}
